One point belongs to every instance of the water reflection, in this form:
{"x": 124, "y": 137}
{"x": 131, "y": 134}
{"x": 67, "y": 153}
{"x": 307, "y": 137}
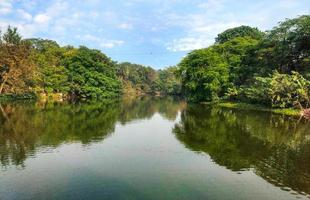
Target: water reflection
{"x": 275, "y": 147}
{"x": 28, "y": 127}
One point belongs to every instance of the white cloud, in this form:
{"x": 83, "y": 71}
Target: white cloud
{"x": 108, "y": 44}
{"x": 46, "y": 20}
{"x": 89, "y": 37}
{"x": 101, "y": 42}
{"x": 126, "y": 26}
{"x": 199, "y": 28}
{"x": 188, "y": 43}
{"x": 24, "y": 15}
{"x": 200, "y": 32}
{"x": 42, "y": 18}
{"x": 211, "y": 5}
{"x": 5, "y": 7}
{"x": 186, "y": 28}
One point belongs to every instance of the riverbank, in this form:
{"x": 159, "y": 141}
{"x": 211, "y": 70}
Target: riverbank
{"x": 238, "y": 105}
{"x": 17, "y": 97}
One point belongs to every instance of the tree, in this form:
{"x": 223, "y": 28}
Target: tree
{"x": 139, "y": 78}
{"x": 287, "y": 46}
{"x": 236, "y": 52}
{"x": 52, "y": 76}
{"x": 91, "y": 74}
{"x": 168, "y": 83}
{"x": 16, "y": 67}
{"x": 204, "y": 74}
{"x": 241, "y": 31}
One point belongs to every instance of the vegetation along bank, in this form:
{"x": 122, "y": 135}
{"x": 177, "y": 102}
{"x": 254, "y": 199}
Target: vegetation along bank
{"x": 244, "y": 64}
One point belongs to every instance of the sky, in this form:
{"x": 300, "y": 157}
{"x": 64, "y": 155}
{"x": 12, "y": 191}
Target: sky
{"x": 156, "y": 33}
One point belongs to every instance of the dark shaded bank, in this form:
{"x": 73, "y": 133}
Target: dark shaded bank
{"x": 276, "y": 147}
{"x": 17, "y": 97}
{"x": 257, "y": 107}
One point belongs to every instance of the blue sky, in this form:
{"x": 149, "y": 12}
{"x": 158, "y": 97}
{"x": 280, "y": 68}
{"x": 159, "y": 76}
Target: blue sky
{"x": 157, "y": 33}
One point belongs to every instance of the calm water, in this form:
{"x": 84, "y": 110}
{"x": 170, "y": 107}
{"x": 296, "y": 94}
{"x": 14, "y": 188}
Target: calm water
{"x": 150, "y": 149}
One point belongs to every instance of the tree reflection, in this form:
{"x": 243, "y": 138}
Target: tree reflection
{"x": 27, "y": 127}
{"x": 145, "y": 107}
{"x": 276, "y": 147}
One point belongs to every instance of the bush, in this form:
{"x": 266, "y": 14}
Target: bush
{"x": 279, "y": 90}
{"x": 13, "y": 97}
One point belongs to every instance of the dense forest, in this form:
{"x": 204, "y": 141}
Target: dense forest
{"x": 248, "y": 65}
{"x": 41, "y": 68}
{"x": 244, "y": 64}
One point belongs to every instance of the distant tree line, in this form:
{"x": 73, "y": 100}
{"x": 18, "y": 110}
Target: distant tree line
{"x": 139, "y": 79}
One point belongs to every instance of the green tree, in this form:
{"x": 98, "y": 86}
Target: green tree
{"x": 91, "y": 74}
{"x": 287, "y": 47}
{"x": 167, "y": 82}
{"x": 52, "y": 77}
{"x": 235, "y": 52}
{"x": 137, "y": 78}
{"x": 204, "y": 74}
{"x": 241, "y": 31}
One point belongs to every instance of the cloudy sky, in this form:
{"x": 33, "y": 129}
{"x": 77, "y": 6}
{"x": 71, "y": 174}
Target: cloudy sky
{"x": 150, "y": 32}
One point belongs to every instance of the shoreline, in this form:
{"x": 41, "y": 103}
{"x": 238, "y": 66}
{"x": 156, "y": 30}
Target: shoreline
{"x": 236, "y": 105}
{"x": 248, "y": 106}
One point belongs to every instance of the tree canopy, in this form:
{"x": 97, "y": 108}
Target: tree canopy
{"x": 241, "y": 31}
{"x": 246, "y": 64}
{"x": 16, "y": 67}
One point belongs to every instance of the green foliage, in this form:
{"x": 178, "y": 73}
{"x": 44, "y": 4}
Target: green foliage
{"x": 11, "y": 36}
{"x": 286, "y": 47}
{"x": 239, "y": 66}
{"x": 279, "y": 90}
{"x": 140, "y": 79}
{"x": 246, "y": 106}
{"x": 82, "y": 73}
{"x": 241, "y": 31}
{"x": 12, "y": 97}
{"x": 52, "y": 77}
{"x": 204, "y": 74}
{"x": 167, "y": 82}
{"x": 241, "y": 63}
{"x": 234, "y": 52}
{"x": 91, "y": 74}
{"x": 208, "y": 74}
{"x": 136, "y": 77}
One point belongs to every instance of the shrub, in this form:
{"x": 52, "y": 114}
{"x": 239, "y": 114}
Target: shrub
{"x": 279, "y": 90}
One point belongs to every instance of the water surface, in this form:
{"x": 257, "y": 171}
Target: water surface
{"x": 150, "y": 148}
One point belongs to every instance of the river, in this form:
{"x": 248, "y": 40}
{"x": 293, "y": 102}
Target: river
{"x": 150, "y": 148}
